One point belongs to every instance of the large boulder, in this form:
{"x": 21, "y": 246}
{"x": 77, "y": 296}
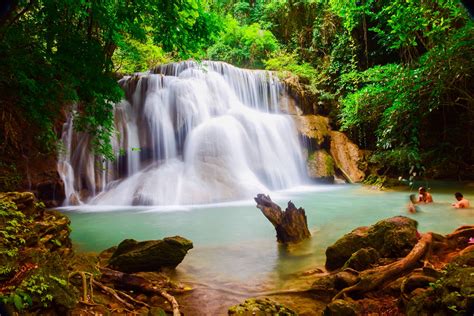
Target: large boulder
{"x": 391, "y": 238}
{"x": 348, "y": 157}
{"x": 152, "y": 255}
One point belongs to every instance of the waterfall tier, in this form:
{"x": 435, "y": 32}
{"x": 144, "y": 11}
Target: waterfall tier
{"x": 189, "y": 133}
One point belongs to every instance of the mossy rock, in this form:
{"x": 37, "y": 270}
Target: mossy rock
{"x": 152, "y": 255}
{"x": 324, "y": 286}
{"x": 452, "y": 294}
{"x": 362, "y": 259}
{"x": 341, "y": 308}
{"x": 320, "y": 166}
{"x": 261, "y": 307}
{"x": 391, "y": 238}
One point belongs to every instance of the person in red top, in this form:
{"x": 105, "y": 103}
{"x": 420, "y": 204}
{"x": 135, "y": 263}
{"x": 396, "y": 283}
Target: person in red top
{"x": 424, "y": 196}
{"x": 462, "y": 202}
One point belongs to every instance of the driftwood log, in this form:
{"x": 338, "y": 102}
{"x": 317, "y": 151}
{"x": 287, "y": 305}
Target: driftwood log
{"x": 291, "y": 225}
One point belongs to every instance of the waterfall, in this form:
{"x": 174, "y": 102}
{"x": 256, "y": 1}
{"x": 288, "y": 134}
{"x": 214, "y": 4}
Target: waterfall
{"x": 188, "y": 133}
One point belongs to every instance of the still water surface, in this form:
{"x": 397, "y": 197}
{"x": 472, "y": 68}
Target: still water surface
{"x": 234, "y": 244}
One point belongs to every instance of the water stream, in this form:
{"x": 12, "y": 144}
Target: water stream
{"x": 234, "y": 244}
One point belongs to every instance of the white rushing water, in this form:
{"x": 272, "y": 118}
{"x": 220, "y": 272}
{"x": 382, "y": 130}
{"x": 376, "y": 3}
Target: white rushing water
{"x": 189, "y": 133}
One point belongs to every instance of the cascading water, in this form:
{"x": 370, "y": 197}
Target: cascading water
{"x": 189, "y": 133}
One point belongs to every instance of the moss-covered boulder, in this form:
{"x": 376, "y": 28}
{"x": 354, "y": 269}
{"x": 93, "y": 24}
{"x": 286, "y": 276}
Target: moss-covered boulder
{"x": 151, "y": 255}
{"x": 320, "y": 166}
{"x": 260, "y": 306}
{"x": 362, "y": 259}
{"x": 391, "y": 238}
{"x": 452, "y": 294}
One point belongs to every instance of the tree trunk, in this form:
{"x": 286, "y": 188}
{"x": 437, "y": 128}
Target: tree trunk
{"x": 291, "y": 225}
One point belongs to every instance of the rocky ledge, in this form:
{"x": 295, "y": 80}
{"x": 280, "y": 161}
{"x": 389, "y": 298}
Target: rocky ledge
{"x": 40, "y": 274}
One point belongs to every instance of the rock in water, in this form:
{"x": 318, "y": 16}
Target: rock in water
{"x": 291, "y": 225}
{"x": 391, "y": 238}
{"x": 151, "y": 255}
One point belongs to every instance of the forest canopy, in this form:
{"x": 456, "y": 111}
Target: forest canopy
{"x": 395, "y": 74}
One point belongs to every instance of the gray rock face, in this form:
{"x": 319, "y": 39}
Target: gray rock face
{"x": 391, "y": 238}
{"x": 152, "y": 255}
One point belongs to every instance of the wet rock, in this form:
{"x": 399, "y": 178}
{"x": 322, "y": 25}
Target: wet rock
{"x": 391, "y": 238}
{"x": 341, "y": 308}
{"x": 320, "y": 166}
{"x": 362, "y": 259}
{"x": 257, "y": 306}
{"x": 51, "y": 191}
{"x": 152, "y": 255}
{"x": 344, "y": 279}
{"x": 24, "y": 201}
{"x": 347, "y": 156}
{"x": 314, "y": 129}
{"x": 324, "y": 286}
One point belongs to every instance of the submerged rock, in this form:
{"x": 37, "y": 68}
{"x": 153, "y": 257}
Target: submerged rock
{"x": 260, "y": 306}
{"x": 391, "y": 238}
{"x": 152, "y": 255}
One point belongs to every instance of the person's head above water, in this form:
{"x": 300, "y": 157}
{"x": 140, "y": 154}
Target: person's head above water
{"x": 421, "y": 190}
{"x": 458, "y": 196}
{"x": 413, "y": 198}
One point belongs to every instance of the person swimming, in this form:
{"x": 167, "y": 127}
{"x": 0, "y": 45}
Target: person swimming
{"x": 412, "y": 208}
{"x": 424, "y": 196}
{"x": 462, "y": 202}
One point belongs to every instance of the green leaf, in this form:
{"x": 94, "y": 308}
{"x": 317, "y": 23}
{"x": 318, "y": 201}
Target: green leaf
{"x": 17, "y": 301}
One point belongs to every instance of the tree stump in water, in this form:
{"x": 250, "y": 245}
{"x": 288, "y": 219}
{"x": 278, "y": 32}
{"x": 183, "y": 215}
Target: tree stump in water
{"x": 291, "y": 225}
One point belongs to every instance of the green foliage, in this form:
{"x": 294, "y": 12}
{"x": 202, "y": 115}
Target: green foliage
{"x": 53, "y": 54}
{"x": 13, "y": 223}
{"x": 44, "y": 279}
{"x": 286, "y": 63}
{"x": 133, "y": 56}
{"x": 394, "y": 102}
{"x": 244, "y": 46}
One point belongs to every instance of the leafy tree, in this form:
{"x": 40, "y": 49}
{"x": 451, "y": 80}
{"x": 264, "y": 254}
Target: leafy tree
{"x": 57, "y": 53}
{"x": 244, "y": 46}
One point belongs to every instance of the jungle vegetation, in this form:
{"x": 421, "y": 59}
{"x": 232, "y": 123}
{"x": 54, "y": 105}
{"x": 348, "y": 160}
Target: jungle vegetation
{"x": 395, "y": 74}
